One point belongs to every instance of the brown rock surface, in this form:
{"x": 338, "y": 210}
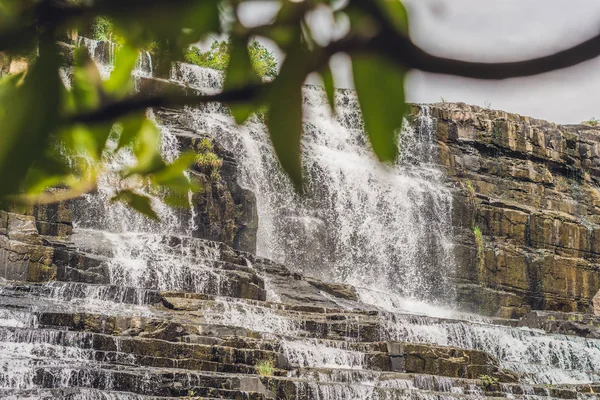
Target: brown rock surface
{"x": 532, "y": 188}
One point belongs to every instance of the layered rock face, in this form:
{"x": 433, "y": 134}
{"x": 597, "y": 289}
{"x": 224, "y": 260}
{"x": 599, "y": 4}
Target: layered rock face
{"x": 222, "y": 210}
{"x": 24, "y": 255}
{"x": 525, "y": 212}
{"x": 229, "y": 325}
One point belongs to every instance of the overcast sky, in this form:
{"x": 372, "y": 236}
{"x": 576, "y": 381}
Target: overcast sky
{"x": 501, "y": 30}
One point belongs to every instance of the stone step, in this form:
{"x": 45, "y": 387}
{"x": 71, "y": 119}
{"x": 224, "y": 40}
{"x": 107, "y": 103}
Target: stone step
{"x": 209, "y": 277}
{"x": 48, "y": 373}
{"x": 134, "y": 351}
{"x": 576, "y": 324}
{"x": 91, "y": 322}
{"x": 97, "y": 243}
{"x": 73, "y": 291}
{"x": 193, "y": 328}
{"x": 36, "y": 306}
{"x": 300, "y": 389}
{"x": 186, "y": 320}
{"x": 288, "y": 286}
{"x": 436, "y": 383}
{"x": 92, "y": 394}
{"x": 152, "y": 351}
{"x": 72, "y": 394}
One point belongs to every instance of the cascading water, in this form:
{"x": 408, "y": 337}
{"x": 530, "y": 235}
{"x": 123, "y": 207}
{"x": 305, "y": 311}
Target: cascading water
{"x": 361, "y": 222}
{"x": 384, "y": 228}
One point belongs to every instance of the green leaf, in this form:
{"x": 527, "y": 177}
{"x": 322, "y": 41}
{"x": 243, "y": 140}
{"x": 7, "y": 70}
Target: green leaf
{"x": 48, "y": 170}
{"x": 172, "y": 176}
{"x": 120, "y": 81}
{"x": 86, "y": 85}
{"x": 130, "y": 127}
{"x": 284, "y": 118}
{"x": 240, "y": 73}
{"x": 147, "y": 150}
{"x": 28, "y": 116}
{"x": 396, "y": 13}
{"x": 380, "y": 89}
{"x": 140, "y": 203}
{"x": 328, "y": 85}
{"x": 176, "y": 199}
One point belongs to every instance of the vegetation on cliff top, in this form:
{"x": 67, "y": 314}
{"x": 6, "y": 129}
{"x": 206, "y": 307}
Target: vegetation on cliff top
{"x": 591, "y": 122}
{"x": 86, "y": 119}
{"x": 217, "y": 57}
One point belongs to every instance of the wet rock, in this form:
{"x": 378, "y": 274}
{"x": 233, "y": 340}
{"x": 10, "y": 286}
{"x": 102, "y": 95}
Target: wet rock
{"x": 223, "y": 211}
{"x": 584, "y": 325}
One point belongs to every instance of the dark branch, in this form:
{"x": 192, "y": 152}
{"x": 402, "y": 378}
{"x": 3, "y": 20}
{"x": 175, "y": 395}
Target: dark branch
{"x": 403, "y": 51}
{"x": 135, "y": 103}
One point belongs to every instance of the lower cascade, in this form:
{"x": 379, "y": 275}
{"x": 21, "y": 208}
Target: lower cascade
{"x": 358, "y": 289}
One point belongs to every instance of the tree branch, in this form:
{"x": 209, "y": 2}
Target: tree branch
{"x": 138, "y": 102}
{"x": 402, "y": 50}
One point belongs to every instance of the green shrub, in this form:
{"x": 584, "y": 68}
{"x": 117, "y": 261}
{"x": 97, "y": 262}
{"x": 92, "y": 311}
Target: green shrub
{"x": 478, "y": 237}
{"x": 217, "y": 57}
{"x": 209, "y": 161}
{"x": 102, "y": 29}
{"x": 470, "y": 189}
{"x": 206, "y": 145}
{"x": 591, "y": 122}
{"x": 488, "y": 381}
{"x": 265, "y": 368}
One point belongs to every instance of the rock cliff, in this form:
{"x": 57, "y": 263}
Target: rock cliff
{"x": 526, "y": 209}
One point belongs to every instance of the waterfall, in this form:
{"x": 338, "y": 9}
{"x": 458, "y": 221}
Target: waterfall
{"x": 147, "y": 311}
{"x": 105, "y": 52}
{"x": 361, "y": 222}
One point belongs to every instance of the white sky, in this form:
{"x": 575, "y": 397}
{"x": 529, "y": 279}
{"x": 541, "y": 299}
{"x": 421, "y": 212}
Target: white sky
{"x": 498, "y": 30}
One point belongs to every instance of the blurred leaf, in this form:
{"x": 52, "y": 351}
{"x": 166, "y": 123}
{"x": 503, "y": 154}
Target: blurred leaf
{"x": 86, "y": 85}
{"x": 282, "y": 35}
{"x": 38, "y": 180}
{"x": 120, "y": 81}
{"x": 173, "y": 177}
{"x": 48, "y": 170}
{"x": 380, "y": 89}
{"x": 396, "y": 14}
{"x": 130, "y": 127}
{"x": 327, "y": 77}
{"x": 82, "y": 141}
{"x": 284, "y": 118}
{"x": 100, "y": 134}
{"x": 176, "y": 199}
{"x": 29, "y": 115}
{"x": 240, "y": 73}
{"x": 147, "y": 150}
{"x": 143, "y": 204}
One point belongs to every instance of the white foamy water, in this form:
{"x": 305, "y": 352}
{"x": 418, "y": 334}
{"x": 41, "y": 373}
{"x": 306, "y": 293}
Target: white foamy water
{"x": 361, "y": 222}
{"x": 315, "y": 354}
